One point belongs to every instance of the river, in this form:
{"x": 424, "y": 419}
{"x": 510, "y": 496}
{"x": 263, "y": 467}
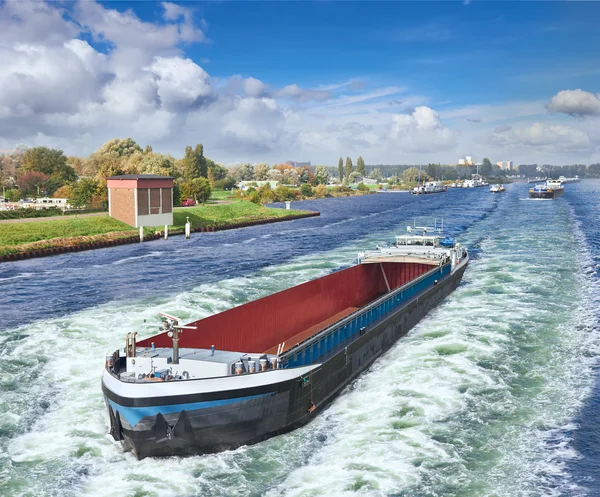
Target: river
{"x": 494, "y": 393}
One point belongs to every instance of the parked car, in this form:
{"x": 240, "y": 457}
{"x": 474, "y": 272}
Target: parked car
{"x": 188, "y": 202}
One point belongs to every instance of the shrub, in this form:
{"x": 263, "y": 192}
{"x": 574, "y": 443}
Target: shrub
{"x": 266, "y": 194}
{"x": 362, "y": 187}
{"x": 283, "y": 193}
{"x": 254, "y": 196}
{"x": 321, "y": 191}
{"x": 306, "y": 190}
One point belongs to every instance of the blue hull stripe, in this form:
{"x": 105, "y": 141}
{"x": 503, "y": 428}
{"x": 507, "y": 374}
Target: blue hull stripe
{"x": 133, "y": 415}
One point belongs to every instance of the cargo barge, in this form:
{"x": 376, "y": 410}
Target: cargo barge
{"x": 553, "y": 188}
{"x": 271, "y": 365}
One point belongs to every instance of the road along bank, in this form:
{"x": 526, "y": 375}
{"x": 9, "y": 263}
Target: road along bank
{"x": 55, "y": 246}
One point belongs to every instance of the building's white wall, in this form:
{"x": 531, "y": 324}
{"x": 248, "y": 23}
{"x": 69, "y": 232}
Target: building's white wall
{"x": 154, "y": 220}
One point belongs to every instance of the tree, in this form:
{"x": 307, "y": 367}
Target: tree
{"x": 354, "y": 176}
{"x": 411, "y": 174}
{"x": 147, "y": 150}
{"x": 121, "y": 147}
{"x": 360, "y": 166}
{"x": 163, "y": 165}
{"x": 321, "y": 175}
{"x": 197, "y": 188}
{"x": 593, "y": 171}
{"x": 201, "y": 160}
{"x": 306, "y": 190}
{"x": 245, "y": 172}
{"x": 348, "y": 167}
{"x": 190, "y": 166}
{"x": 486, "y": 167}
{"x": 52, "y": 163}
{"x": 376, "y": 174}
{"x": 83, "y": 192}
{"x": 64, "y": 191}
{"x": 218, "y": 171}
{"x": 32, "y": 182}
{"x": 260, "y": 172}
{"x": 434, "y": 170}
{"x": 43, "y": 160}
{"x": 12, "y": 195}
{"x": 341, "y": 169}
{"x": 362, "y": 187}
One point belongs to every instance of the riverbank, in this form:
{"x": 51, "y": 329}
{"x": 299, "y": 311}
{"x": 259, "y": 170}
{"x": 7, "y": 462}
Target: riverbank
{"x": 44, "y": 237}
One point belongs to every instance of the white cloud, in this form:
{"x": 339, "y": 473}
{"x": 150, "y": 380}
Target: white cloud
{"x": 421, "y": 131}
{"x": 59, "y": 90}
{"x": 577, "y": 103}
{"x": 543, "y": 136}
{"x": 294, "y": 92}
{"x": 255, "y": 88}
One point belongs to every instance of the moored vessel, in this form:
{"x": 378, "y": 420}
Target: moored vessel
{"x": 553, "y": 188}
{"x": 271, "y": 365}
{"x": 434, "y": 187}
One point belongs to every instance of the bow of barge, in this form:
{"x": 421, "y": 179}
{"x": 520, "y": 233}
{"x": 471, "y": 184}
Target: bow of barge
{"x": 269, "y": 366}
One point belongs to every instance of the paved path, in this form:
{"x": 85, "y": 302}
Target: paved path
{"x": 52, "y": 218}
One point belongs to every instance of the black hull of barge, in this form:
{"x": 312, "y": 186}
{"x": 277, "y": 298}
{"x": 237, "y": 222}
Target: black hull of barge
{"x": 277, "y": 408}
{"x": 547, "y": 195}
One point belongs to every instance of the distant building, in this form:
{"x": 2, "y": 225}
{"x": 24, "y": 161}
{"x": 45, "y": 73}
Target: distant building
{"x": 244, "y": 185}
{"x": 298, "y": 164}
{"x": 506, "y": 165}
{"x": 43, "y": 203}
{"x": 141, "y": 199}
{"x": 366, "y": 181}
{"x": 467, "y": 161}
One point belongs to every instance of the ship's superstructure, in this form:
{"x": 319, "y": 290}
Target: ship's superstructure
{"x": 270, "y": 365}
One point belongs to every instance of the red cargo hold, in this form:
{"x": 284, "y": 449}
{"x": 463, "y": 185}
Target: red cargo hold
{"x": 294, "y": 314}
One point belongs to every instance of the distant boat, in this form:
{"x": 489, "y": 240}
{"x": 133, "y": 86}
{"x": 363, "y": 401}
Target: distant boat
{"x": 497, "y": 189}
{"x": 569, "y": 180}
{"x": 434, "y": 187}
{"x": 553, "y": 188}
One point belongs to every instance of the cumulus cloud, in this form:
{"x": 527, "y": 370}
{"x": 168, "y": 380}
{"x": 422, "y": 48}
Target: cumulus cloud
{"x": 255, "y": 88}
{"x": 421, "y": 131}
{"x": 134, "y": 79}
{"x": 576, "y": 103}
{"x": 542, "y": 136}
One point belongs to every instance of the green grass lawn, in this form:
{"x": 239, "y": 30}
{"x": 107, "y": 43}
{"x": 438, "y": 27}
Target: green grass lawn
{"x": 220, "y": 194}
{"x": 15, "y": 234}
{"x": 235, "y": 212}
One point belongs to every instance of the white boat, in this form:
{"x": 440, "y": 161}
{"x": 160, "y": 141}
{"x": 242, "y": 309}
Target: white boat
{"x": 434, "y": 187}
{"x": 563, "y": 179}
{"x": 497, "y": 189}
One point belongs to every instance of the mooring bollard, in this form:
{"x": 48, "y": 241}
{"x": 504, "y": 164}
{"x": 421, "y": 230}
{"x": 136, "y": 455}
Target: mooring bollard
{"x": 187, "y": 227}
{"x": 166, "y": 231}
{"x": 141, "y": 233}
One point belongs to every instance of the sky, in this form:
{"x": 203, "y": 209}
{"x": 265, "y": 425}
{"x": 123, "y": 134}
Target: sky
{"x": 396, "y": 82}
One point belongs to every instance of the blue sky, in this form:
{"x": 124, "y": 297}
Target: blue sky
{"x": 483, "y": 52}
{"x": 399, "y": 82}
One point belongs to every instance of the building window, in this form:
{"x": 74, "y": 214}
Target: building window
{"x": 167, "y": 202}
{"x": 142, "y": 196}
{"x": 154, "y": 200}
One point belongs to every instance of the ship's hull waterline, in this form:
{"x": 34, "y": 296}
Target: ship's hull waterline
{"x": 546, "y": 194}
{"x": 212, "y": 421}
